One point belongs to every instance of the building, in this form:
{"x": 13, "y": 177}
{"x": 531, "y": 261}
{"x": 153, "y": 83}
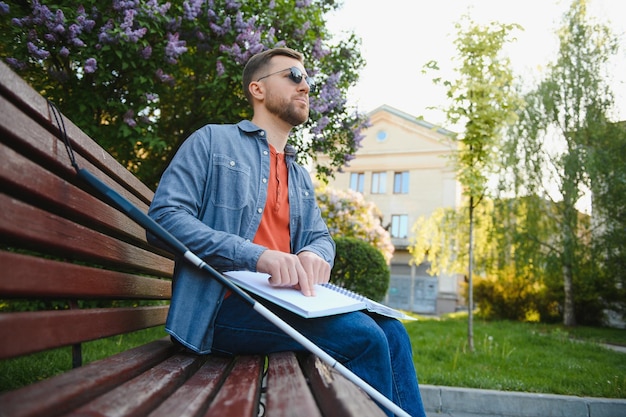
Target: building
{"x": 402, "y": 168}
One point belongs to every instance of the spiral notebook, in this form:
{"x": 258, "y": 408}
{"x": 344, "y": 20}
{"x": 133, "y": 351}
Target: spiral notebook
{"x": 329, "y": 299}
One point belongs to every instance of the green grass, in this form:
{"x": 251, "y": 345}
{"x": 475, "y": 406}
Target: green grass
{"x": 515, "y": 356}
{"x": 508, "y": 356}
{"x": 21, "y": 371}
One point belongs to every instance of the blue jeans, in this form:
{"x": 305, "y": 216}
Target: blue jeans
{"x": 375, "y": 348}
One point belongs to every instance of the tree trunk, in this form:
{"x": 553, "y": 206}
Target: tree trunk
{"x": 569, "y": 318}
{"x": 470, "y": 290}
{"x": 569, "y": 228}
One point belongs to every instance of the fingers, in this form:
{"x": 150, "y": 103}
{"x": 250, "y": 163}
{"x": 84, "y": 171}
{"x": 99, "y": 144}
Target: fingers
{"x": 317, "y": 269}
{"x": 285, "y": 270}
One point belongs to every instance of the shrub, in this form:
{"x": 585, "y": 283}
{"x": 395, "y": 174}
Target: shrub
{"x": 360, "y": 267}
{"x": 510, "y": 297}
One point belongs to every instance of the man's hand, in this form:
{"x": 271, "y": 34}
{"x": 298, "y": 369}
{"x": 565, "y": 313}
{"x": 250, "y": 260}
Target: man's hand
{"x": 301, "y": 271}
{"x": 316, "y": 268}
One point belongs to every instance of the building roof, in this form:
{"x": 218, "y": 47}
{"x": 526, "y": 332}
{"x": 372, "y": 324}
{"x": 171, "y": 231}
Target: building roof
{"x": 410, "y": 118}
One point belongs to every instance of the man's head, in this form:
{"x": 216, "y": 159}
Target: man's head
{"x": 276, "y": 84}
{"x": 259, "y": 64}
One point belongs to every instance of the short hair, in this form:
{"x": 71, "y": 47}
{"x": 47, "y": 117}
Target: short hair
{"x": 260, "y": 62}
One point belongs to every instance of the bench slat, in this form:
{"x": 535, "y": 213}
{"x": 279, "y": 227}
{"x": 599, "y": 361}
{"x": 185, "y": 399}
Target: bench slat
{"x": 44, "y": 278}
{"x": 336, "y": 395}
{"x": 287, "y": 392}
{"x": 28, "y": 181}
{"x": 28, "y": 332}
{"x": 139, "y": 396}
{"x": 23, "y": 111}
{"x": 193, "y": 397}
{"x": 70, "y": 390}
{"x": 240, "y": 393}
{"x": 39, "y": 230}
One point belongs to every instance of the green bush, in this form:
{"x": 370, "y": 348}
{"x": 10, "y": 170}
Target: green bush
{"x": 512, "y": 297}
{"x": 360, "y": 267}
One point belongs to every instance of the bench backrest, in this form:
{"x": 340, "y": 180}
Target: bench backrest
{"x": 59, "y": 241}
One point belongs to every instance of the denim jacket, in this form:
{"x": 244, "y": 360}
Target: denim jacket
{"x": 211, "y": 197}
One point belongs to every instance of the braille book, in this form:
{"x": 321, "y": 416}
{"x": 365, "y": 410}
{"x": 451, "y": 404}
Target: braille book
{"x": 329, "y": 299}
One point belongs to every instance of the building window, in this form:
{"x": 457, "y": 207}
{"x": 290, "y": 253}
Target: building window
{"x": 401, "y": 182}
{"x": 379, "y": 182}
{"x": 400, "y": 226}
{"x": 357, "y": 179}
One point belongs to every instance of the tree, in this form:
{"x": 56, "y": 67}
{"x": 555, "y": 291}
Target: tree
{"x": 607, "y": 172}
{"x": 510, "y": 268}
{"x": 484, "y": 100}
{"x": 558, "y": 129}
{"x": 140, "y": 76}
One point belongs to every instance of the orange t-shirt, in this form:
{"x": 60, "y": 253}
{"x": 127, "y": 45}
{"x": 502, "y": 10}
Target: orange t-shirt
{"x": 273, "y": 231}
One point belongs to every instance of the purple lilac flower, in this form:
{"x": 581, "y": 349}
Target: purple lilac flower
{"x": 319, "y": 51}
{"x": 77, "y": 42}
{"x": 153, "y": 9}
{"x": 163, "y": 77}
{"x": 129, "y": 118}
{"x": 91, "y": 65}
{"x": 192, "y": 8}
{"x": 41, "y": 14}
{"x": 37, "y": 52}
{"x": 320, "y": 125}
{"x": 301, "y": 31}
{"x": 174, "y": 48}
{"x": 15, "y": 63}
{"x": 330, "y": 95}
{"x": 4, "y": 8}
{"x": 219, "y": 67}
{"x": 84, "y": 22}
{"x": 130, "y": 34}
{"x": 59, "y": 17}
{"x": 75, "y": 30}
{"x": 60, "y": 29}
{"x": 146, "y": 52}
{"x": 64, "y": 52}
{"x": 125, "y": 4}
{"x": 232, "y": 4}
{"x": 105, "y": 36}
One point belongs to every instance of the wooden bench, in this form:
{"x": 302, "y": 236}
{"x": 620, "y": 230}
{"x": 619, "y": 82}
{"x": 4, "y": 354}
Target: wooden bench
{"x": 59, "y": 241}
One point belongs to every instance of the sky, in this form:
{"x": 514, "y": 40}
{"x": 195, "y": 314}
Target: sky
{"x": 400, "y": 36}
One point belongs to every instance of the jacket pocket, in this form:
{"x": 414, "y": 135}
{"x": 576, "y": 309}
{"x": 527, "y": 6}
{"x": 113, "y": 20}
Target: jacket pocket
{"x": 230, "y": 182}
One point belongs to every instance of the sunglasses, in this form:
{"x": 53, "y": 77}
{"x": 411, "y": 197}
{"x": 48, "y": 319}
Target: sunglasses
{"x": 296, "y": 76}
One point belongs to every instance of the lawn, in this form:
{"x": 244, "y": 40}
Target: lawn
{"x": 513, "y": 356}
{"x": 508, "y": 356}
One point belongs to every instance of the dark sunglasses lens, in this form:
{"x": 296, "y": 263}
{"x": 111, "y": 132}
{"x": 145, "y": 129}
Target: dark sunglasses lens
{"x": 296, "y": 76}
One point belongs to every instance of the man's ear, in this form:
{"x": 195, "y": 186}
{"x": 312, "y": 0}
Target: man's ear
{"x": 257, "y": 90}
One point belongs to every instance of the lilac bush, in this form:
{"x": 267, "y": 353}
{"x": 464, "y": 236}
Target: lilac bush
{"x": 139, "y": 76}
{"x": 348, "y": 214}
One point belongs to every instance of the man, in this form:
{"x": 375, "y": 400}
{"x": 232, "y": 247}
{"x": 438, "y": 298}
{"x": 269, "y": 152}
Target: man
{"x": 234, "y": 195}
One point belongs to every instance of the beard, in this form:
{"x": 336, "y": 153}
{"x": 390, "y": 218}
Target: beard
{"x": 289, "y": 111}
